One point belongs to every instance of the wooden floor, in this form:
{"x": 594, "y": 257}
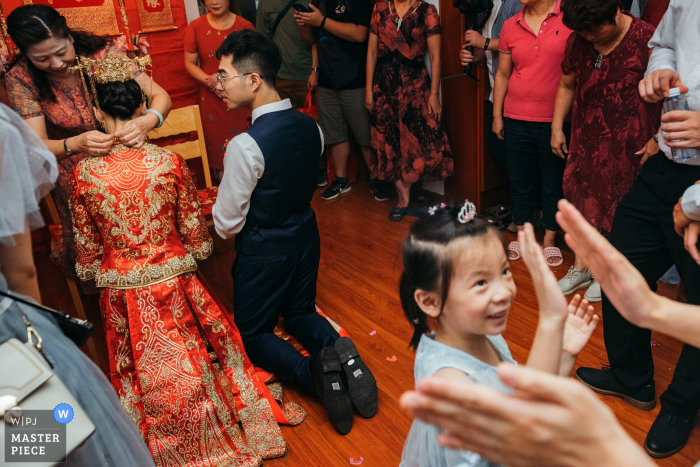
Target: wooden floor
{"x": 358, "y": 288}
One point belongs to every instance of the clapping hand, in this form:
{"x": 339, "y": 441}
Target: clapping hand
{"x": 313, "y": 18}
{"x": 580, "y": 324}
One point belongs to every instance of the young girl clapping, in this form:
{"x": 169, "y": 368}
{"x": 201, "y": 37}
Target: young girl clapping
{"x": 456, "y": 271}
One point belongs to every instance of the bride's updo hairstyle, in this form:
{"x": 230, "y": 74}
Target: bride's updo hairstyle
{"x": 119, "y": 100}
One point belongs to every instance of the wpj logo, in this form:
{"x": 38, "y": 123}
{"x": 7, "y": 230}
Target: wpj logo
{"x": 37, "y": 435}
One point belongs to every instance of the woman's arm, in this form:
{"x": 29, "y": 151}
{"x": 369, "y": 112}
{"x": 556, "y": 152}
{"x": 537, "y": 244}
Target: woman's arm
{"x": 372, "y": 47}
{"x": 500, "y": 88}
{"x": 562, "y": 106}
{"x": 17, "y": 265}
{"x": 434, "y": 107}
{"x": 93, "y": 142}
{"x": 192, "y": 67}
{"x": 135, "y": 132}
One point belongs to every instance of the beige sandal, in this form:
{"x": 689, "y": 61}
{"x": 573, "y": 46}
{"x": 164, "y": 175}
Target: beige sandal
{"x": 515, "y": 248}
{"x": 553, "y": 252}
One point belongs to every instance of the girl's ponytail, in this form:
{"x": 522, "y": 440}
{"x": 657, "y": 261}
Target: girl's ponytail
{"x": 415, "y": 315}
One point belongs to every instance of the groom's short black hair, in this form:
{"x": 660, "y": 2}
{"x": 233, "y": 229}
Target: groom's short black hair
{"x": 252, "y": 52}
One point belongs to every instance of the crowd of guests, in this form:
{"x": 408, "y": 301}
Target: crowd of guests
{"x": 576, "y": 115}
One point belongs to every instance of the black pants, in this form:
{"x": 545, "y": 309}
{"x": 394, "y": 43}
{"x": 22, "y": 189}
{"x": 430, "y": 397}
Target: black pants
{"x": 643, "y": 231}
{"x": 529, "y": 153}
{"x": 267, "y": 287}
{"x": 496, "y": 146}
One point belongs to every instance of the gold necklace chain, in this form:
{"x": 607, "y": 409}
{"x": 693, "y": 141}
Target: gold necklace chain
{"x": 615, "y": 43}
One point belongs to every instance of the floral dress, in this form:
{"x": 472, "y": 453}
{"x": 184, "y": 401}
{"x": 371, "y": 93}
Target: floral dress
{"x": 176, "y": 358}
{"x": 408, "y": 143}
{"x": 70, "y": 115}
{"x": 610, "y": 122}
{"x": 218, "y": 122}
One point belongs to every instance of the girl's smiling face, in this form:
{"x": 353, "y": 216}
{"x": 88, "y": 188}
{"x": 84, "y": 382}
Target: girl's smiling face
{"x": 481, "y": 289}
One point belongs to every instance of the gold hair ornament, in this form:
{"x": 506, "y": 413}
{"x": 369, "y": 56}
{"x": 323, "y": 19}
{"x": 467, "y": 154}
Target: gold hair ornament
{"x": 113, "y": 67}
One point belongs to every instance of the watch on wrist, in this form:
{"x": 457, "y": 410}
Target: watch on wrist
{"x": 315, "y": 69}
{"x": 323, "y": 22}
{"x": 486, "y": 44}
{"x": 65, "y": 146}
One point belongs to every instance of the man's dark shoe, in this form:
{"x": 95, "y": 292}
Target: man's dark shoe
{"x": 603, "y": 382}
{"x": 379, "y": 188}
{"x": 361, "y": 383}
{"x": 668, "y": 434}
{"x": 321, "y": 180}
{"x": 328, "y": 385}
{"x": 335, "y": 190}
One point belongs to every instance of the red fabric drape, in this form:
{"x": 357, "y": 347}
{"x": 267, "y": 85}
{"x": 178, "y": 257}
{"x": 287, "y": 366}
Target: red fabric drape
{"x": 167, "y": 50}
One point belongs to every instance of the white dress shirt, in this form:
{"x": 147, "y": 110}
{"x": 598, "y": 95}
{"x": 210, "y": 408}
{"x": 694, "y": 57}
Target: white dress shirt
{"x": 244, "y": 164}
{"x": 690, "y": 202}
{"x": 676, "y": 45}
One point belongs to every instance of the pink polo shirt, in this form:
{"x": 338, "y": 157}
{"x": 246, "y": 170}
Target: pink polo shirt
{"x": 537, "y": 59}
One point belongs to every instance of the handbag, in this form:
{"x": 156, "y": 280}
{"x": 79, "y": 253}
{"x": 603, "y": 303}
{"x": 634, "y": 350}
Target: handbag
{"x": 34, "y": 388}
{"x": 77, "y": 330}
{"x": 310, "y": 108}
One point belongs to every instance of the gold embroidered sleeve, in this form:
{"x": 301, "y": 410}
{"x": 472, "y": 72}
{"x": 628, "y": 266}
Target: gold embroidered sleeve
{"x": 191, "y": 226}
{"x": 88, "y": 241}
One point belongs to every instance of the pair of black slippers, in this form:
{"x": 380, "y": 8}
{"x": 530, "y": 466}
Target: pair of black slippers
{"x": 342, "y": 380}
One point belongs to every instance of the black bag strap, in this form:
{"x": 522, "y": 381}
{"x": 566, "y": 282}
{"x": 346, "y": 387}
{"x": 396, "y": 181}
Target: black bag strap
{"x": 280, "y": 16}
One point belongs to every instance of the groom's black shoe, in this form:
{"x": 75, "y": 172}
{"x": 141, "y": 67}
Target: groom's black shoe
{"x": 604, "y": 382}
{"x": 361, "y": 383}
{"x": 328, "y": 385}
{"x": 668, "y": 434}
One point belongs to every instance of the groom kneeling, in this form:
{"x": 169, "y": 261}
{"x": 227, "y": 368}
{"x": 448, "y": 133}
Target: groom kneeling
{"x": 264, "y": 199}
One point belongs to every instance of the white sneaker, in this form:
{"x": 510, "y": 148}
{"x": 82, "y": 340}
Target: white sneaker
{"x": 574, "y": 280}
{"x": 593, "y": 293}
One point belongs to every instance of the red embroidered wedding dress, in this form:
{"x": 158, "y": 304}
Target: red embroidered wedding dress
{"x": 176, "y": 358}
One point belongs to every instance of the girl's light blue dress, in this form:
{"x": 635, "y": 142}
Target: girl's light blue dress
{"x": 421, "y": 448}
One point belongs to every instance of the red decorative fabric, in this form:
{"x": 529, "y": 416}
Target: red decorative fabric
{"x": 219, "y": 123}
{"x": 408, "y": 143}
{"x": 610, "y": 123}
{"x": 176, "y": 357}
{"x": 207, "y": 199}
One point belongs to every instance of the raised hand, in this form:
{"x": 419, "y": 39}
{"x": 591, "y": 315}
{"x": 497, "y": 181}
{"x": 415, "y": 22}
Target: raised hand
{"x": 580, "y": 324}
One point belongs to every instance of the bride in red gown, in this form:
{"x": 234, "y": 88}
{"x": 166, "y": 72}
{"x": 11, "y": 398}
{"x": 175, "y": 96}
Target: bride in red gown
{"x": 176, "y": 357}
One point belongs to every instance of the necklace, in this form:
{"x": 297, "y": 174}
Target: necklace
{"x": 398, "y": 20}
{"x": 599, "y": 60}
{"x": 218, "y": 31}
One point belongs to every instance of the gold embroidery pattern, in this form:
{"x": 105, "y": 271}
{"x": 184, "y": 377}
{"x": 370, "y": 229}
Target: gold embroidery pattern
{"x": 234, "y": 362}
{"x": 128, "y": 400}
{"x": 276, "y": 391}
{"x": 262, "y": 431}
{"x": 144, "y": 276}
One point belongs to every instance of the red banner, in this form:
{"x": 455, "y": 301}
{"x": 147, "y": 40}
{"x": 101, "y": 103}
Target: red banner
{"x": 155, "y": 15}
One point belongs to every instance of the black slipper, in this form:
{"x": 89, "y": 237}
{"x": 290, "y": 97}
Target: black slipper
{"x": 396, "y": 213}
{"x": 361, "y": 383}
{"x": 328, "y": 384}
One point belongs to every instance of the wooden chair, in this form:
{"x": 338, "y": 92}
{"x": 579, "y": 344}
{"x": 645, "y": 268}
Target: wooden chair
{"x": 183, "y": 121}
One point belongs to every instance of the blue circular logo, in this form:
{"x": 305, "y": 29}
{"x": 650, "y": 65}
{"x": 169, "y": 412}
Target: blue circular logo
{"x": 63, "y": 413}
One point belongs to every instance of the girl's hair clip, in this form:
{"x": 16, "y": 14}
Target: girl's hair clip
{"x": 416, "y": 321}
{"x": 467, "y": 213}
{"x": 433, "y": 209}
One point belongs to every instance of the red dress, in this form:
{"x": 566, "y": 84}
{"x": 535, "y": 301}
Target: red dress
{"x": 219, "y": 123}
{"x": 176, "y": 359}
{"x": 610, "y": 122}
{"x": 407, "y": 143}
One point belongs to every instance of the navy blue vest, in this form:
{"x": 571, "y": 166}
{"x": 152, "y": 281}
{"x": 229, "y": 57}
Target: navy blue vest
{"x": 280, "y": 218}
